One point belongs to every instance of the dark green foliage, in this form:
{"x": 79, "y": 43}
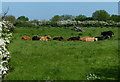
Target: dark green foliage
{"x": 23, "y": 24}
{"x": 23, "y": 18}
{"x": 56, "y": 18}
{"x": 115, "y": 18}
{"x": 68, "y": 17}
{"x": 80, "y": 18}
{"x": 10, "y": 18}
{"x": 100, "y": 15}
{"x": 54, "y": 24}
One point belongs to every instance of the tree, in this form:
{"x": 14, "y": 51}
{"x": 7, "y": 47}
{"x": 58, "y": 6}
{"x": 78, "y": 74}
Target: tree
{"x": 80, "y": 18}
{"x": 23, "y": 18}
{"x": 88, "y": 18}
{"x": 115, "y": 18}
{"x": 101, "y": 15}
{"x": 56, "y": 18}
{"x": 35, "y": 22}
{"x": 66, "y": 17}
{"x": 5, "y": 12}
{"x": 10, "y": 18}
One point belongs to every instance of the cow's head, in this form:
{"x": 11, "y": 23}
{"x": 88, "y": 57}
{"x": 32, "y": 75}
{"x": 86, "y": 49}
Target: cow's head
{"x": 95, "y": 39}
{"x": 48, "y": 37}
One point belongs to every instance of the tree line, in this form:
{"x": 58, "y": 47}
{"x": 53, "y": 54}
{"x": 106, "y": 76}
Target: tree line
{"x": 99, "y": 15}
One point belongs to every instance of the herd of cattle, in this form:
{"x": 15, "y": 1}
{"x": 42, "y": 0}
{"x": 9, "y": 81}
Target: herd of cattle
{"x": 105, "y": 35}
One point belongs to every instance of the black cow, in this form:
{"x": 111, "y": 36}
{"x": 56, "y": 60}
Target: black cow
{"x": 73, "y": 38}
{"x": 35, "y": 38}
{"x": 58, "y": 38}
{"x": 107, "y": 33}
{"x": 103, "y": 37}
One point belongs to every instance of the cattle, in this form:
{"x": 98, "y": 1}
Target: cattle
{"x": 44, "y": 38}
{"x": 107, "y": 33}
{"x": 87, "y": 38}
{"x": 26, "y": 38}
{"x": 73, "y": 38}
{"x": 103, "y": 37}
{"x": 35, "y": 38}
{"x": 58, "y": 38}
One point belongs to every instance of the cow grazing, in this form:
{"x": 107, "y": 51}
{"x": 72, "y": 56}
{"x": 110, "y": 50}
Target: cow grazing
{"x": 58, "y": 38}
{"x": 103, "y": 37}
{"x": 73, "y": 38}
{"x": 44, "y": 38}
{"x": 26, "y": 38}
{"x": 87, "y": 38}
{"x": 107, "y": 33}
{"x": 35, "y": 38}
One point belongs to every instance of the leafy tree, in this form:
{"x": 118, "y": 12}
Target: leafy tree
{"x": 10, "y": 18}
{"x": 45, "y": 22}
{"x": 35, "y": 21}
{"x": 80, "y": 18}
{"x": 101, "y": 15}
{"x": 23, "y": 18}
{"x": 66, "y": 17}
{"x": 115, "y": 18}
{"x": 89, "y": 18}
{"x": 56, "y": 18}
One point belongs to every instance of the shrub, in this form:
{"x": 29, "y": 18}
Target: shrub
{"x": 23, "y": 24}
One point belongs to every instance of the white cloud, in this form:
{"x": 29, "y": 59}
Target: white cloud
{"x": 60, "y": 0}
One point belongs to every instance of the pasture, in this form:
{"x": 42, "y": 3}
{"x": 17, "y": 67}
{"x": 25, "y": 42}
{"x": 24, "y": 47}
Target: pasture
{"x": 63, "y": 60}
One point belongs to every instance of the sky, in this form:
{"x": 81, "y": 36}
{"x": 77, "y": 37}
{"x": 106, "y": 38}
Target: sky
{"x": 60, "y": 0}
{"x": 46, "y": 10}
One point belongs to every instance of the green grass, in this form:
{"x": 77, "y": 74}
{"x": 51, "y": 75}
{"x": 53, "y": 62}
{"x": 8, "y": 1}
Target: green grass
{"x": 62, "y": 60}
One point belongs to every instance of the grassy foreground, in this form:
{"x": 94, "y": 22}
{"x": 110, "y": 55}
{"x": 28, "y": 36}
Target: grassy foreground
{"x": 63, "y": 60}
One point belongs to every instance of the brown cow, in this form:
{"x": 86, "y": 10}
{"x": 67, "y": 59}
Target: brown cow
{"x": 44, "y": 38}
{"x": 26, "y": 38}
{"x": 87, "y": 38}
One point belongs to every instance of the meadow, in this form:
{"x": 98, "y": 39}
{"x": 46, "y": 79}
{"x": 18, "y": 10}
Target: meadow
{"x": 63, "y": 60}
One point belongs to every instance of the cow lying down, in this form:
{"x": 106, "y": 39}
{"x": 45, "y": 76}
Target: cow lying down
{"x": 44, "y": 38}
{"x": 87, "y": 38}
{"x": 107, "y": 33}
{"x": 73, "y": 38}
{"x": 59, "y": 38}
{"x": 103, "y": 37}
{"x": 35, "y": 38}
{"x": 26, "y": 38}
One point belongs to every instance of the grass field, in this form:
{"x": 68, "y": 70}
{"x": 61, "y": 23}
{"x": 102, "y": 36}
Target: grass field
{"x": 63, "y": 60}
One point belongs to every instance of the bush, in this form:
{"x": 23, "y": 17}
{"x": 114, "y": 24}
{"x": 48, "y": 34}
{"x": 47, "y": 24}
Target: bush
{"x": 23, "y": 24}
